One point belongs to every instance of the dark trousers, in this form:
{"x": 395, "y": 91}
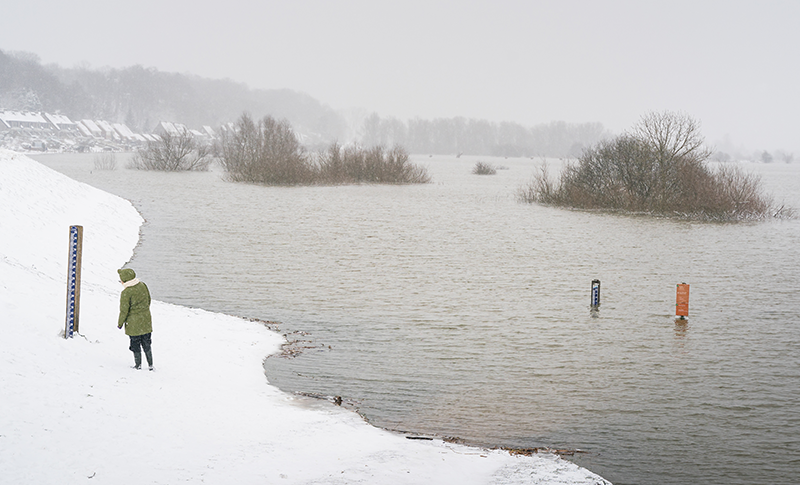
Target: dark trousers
{"x": 140, "y": 342}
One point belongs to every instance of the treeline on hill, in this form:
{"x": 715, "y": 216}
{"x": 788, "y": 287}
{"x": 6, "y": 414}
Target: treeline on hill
{"x": 268, "y": 152}
{"x": 142, "y": 97}
{"x": 658, "y": 168}
{"x": 481, "y": 137}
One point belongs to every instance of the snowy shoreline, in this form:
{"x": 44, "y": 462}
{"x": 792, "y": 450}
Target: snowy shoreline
{"x": 74, "y": 410}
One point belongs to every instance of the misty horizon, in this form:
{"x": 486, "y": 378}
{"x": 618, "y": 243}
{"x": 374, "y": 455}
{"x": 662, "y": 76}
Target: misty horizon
{"x": 726, "y": 64}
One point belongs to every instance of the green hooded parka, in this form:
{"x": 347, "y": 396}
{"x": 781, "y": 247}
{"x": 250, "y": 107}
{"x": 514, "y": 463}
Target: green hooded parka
{"x": 134, "y": 306}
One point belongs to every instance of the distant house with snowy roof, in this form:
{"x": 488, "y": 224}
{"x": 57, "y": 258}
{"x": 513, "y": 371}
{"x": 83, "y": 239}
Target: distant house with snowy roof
{"x": 169, "y": 128}
{"x": 83, "y": 130}
{"x": 23, "y": 119}
{"x": 108, "y": 131}
{"x": 123, "y": 131}
{"x": 93, "y": 129}
{"x": 126, "y": 133}
{"x": 228, "y": 127}
{"x": 61, "y": 122}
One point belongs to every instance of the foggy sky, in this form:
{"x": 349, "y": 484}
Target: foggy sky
{"x": 733, "y": 65}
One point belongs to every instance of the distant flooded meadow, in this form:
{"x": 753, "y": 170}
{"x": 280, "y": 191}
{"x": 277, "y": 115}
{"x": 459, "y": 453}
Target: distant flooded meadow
{"x": 451, "y": 309}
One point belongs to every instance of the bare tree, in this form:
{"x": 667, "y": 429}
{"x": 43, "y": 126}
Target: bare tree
{"x": 173, "y": 153}
{"x": 672, "y": 135}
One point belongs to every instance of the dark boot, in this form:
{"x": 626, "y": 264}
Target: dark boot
{"x": 149, "y": 354}
{"x": 137, "y": 359}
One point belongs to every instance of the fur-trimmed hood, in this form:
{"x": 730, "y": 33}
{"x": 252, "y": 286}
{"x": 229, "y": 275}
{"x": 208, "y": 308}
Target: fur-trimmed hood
{"x": 126, "y": 274}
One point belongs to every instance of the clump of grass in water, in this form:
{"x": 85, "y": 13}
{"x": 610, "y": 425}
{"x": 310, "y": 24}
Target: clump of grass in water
{"x": 483, "y": 168}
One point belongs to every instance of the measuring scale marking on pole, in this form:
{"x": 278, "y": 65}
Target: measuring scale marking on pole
{"x": 73, "y": 280}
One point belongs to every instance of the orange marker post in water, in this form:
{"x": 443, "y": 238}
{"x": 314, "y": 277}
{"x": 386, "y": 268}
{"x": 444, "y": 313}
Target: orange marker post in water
{"x": 682, "y": 301}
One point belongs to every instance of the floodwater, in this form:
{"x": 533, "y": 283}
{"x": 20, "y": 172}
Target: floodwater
{"x": 451, "y": 309}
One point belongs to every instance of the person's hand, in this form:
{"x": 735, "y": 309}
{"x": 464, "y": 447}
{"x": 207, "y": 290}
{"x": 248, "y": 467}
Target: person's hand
{"x": 119, "y": 327}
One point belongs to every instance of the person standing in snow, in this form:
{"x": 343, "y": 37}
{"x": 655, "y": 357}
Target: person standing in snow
{"x": 134, "y": 314}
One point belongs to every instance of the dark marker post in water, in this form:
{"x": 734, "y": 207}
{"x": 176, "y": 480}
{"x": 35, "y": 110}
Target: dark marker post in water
{"x": 682, "y": 301}
{"x": 595, "y": 294}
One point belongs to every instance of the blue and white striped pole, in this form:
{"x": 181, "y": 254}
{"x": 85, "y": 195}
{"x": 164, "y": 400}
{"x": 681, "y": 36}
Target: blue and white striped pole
{"x": 73, "y": 280}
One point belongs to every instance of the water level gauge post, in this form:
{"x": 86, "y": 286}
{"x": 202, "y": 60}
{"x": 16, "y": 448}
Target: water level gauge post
{"x": 74, "y": 280}
{"x": 595, "y": 293}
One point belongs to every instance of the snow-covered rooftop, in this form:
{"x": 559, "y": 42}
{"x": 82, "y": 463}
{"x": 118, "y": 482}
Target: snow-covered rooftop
{"x": 105, "y": 126}
{"x": 22, "y": 116}
{"x": 123, "y": 130}
{"x": 83, "y": 129}
{"x": 59, "y": 121}
{"x": 170, "y": 128}
{"x": 92, "y": 126}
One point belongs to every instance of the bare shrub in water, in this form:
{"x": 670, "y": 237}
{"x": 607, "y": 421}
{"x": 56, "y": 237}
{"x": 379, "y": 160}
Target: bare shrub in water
{"x": 540, "y": 189}
{"x": 267, "y": 152}
{"x": 659, "y": 168}
{"x": 338, "y": 165}
{"x": 173, "y": 153}
{"x": 483, "y": 168}
{"x": 105, "y": 161}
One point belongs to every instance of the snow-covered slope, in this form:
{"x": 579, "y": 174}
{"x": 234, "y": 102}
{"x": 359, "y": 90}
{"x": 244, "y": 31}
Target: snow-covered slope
{"x": 74, "y": 411}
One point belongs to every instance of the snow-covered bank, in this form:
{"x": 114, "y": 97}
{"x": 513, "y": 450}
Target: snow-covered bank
{"x": 73, "y": 411}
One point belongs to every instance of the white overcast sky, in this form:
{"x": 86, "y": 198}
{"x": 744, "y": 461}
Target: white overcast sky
{"x": 732, "y": 64}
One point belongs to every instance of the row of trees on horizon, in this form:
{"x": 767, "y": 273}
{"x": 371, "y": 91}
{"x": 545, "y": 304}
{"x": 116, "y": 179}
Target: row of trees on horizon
{"x": 480, "y": 137}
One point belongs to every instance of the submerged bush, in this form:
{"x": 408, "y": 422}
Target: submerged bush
{"x": 483, "y": 168}
{"x": 173, "y": 153}
{"x": 659, "y": 168}
{"x": 105, "y": 161}
{"x": 339, "y": 165}
{"x": 269, "y": 153}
